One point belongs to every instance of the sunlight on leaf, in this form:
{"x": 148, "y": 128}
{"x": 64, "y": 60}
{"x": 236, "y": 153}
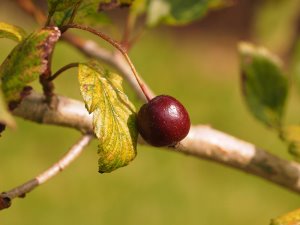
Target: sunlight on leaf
{"x": 291, "y": 218}
{"x": 26, "y": 62}
{"x": 12, "y": 32}
{"x": 264, "y": 85}
{"x": 114, "y": 117}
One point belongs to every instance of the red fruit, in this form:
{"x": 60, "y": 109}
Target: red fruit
{"x": 163, "y": 121}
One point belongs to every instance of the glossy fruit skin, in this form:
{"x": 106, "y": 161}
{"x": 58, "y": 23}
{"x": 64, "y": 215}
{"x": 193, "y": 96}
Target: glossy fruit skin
{"x": 163, "y": 121}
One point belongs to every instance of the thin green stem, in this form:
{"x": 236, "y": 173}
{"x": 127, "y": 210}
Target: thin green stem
{"x": 118, "y": 46}
{"x": 129, "y": 26}
{"x": 61, "y": 70}
{"x": 74, "y": 12}
{"x": 51, "y": 13}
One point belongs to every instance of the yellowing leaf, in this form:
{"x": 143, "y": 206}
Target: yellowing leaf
{"x": 12, "y": 32}
{"x": 291, "y": 218}
{"x": 114, "y": 117}
{"x": 26, "y": 62}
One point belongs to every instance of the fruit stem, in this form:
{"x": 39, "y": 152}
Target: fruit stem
{"x": 63, "y": 69}
{"x": 118, "y": 46}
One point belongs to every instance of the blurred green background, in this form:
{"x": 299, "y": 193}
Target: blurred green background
{"x": 198, "y": 64}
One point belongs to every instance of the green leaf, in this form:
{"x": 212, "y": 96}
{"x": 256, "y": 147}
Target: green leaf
{"x": 87, "y": 11}
{"x": 5, "y": 116}
{"x": 26, "y": 62}
{"x": 61, "y": 18}
{"x": 178, "y": 12}
{"x": 88, "y": 14}
{"x": 12, "y": 32}
{"x": 291, "y": 218}
{"x": 61, "y": 5}
{"x": 114, "y": 117}
{"x": 62, "y": 10}
{"x": 264, "y": 85}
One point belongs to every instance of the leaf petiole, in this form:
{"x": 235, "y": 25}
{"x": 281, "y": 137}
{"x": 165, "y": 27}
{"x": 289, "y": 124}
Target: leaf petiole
{"x": 63, "y": 69}
{"x": 118, "y": 46}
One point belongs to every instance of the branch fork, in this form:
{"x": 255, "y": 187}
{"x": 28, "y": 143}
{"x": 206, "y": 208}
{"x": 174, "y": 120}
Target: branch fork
{"x": 202, "y": 141}
{"x": 66, "y": 160}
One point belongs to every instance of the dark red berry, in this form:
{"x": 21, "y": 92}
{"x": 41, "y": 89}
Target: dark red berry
{"x": 163, "y": 121}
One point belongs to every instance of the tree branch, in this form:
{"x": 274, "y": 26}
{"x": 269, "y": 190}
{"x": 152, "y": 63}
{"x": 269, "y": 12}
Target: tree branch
{"x": 202, "y": 141}
{"x": 30, "y": 8}
{"x": 92, "y": 49}
{"x": 66, "y": 160}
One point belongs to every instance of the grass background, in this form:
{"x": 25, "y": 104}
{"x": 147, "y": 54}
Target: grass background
{"x": 159, "y": 187}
